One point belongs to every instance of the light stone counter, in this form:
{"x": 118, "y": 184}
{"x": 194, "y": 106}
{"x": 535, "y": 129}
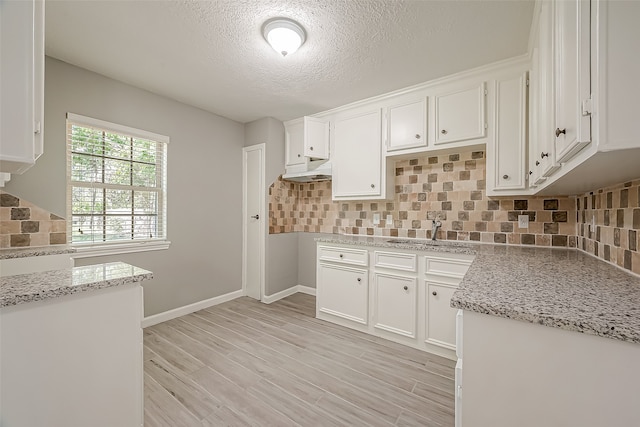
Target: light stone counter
{"x": 561, "y": 288}
{"x": 25, "y": 288}
{"x": 35, "y": 251}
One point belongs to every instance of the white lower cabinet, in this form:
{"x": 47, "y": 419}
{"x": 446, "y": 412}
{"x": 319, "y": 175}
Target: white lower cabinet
{"x": 344, "y": 292}
{"x": 400, "y": 305}
{"x": 441, "y": 318}
{"x": 395, "y": 304}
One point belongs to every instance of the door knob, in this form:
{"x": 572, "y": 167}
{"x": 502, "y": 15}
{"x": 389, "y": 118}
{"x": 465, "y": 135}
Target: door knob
{"x": 255, "y": 216}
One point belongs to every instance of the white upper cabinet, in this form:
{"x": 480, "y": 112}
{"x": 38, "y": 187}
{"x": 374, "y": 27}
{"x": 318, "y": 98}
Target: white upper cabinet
{"x": 460, "y": 115}
{"x": 572, "y": 77}
{"x": 306, "y": 139}
{"x": 506, "y": 151}
{"x": 359, "y": 171}
{"x": 407, "y": 125}
{"x": 21, "y": 84}
{"x": 316, "y": 138}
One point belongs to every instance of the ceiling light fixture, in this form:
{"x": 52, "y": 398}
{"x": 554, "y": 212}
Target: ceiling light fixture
{"x": 284, "y": 35}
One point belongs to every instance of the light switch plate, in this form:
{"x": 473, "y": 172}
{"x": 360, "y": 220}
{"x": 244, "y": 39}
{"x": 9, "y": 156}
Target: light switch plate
{"x": 523, "y": 221}
{"x": 376, "y": 218}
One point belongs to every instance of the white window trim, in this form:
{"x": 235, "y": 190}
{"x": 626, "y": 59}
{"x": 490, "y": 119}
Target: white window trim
{"x": 105, "y": 249}
{"x": 84, "y": 250}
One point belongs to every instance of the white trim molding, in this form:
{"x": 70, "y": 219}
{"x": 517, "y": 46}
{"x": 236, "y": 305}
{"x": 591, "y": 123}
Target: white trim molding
{"x": 188, "y": 309}
{"x": 268, "y": 299}
{"x": 118, "y": 248}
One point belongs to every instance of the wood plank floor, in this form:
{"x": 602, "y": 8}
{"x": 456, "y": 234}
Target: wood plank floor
{"x": 244, "y": 363}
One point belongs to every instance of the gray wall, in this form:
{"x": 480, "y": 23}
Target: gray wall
{"x": 204, "y": 182}
{"x": 307, "y": 258}
{"x": 282, "y": 249}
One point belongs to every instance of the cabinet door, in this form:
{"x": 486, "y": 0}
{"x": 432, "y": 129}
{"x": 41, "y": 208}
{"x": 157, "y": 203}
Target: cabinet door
{"x": 460, "y": 115}
{"x": 407, "y": 126}
{"x": 316, "y": 138}
{"x": 572, "y": 76}
{"x": 507, "y": 160}
{"x": 395, "y": 304}
{"x": 22, "y": 84}
{"x": 357, "y": 156}
{"x": 441, "y": 318}
{"x": 294, "y": 143}
{"x": 343, "y": 292}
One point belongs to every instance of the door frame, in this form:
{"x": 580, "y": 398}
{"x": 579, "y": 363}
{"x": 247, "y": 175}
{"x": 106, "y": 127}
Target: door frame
{"x": 245, "y": 217}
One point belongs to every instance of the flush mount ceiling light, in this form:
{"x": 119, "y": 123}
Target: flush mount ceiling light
{"x": 284, "y": 35}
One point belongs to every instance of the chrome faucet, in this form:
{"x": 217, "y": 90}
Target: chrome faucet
{"x": 434, "y": 228}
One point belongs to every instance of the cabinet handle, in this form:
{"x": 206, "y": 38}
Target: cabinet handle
{"x": 543, "y": 154}
{"x": 417, "y": 136}
{"x": 311, "y": 148}
{"x": 559, "y": 131}
{"x": 359, "y": 279}
{"x": 406, "y": 288}
{"x": 505, "y": 176}
{"x": 443, "y": 131}
{"x": 434, "y": 293}
{"x": 537, "y": 163}
{"x": 373, "y": 186}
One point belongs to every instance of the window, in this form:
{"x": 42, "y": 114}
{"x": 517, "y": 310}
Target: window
{"x": 116, "y": 183}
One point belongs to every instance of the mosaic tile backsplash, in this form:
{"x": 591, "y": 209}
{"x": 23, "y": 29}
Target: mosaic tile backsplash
{"x": 615, "y": 211}
{"x": 24, "y": 224}
{"x": 452, "y": 188}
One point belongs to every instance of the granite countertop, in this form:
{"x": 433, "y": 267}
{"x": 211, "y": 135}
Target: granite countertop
{"x": 556, "y": 287}
{"x": 25, "y": 288}
{"x": 35, "y": 251}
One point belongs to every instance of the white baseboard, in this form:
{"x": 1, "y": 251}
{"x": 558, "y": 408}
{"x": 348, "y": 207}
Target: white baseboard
{"x": 188, "y": 309}
{"x": 268, "y": 299}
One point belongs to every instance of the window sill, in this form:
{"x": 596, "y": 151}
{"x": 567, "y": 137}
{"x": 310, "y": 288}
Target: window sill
{"x": 118, "y": 248}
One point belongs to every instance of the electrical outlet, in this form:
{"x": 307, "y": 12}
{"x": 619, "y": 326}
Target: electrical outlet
{"x": 523, "y": 221}
{"x": 390, "y": 220}
{"x": 376, "y": 218}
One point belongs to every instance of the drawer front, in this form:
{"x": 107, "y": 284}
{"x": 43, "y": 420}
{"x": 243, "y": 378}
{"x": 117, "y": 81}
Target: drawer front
{"x": 343, "y": 255}
{"x": 395, "y": 261}
{"x": 446, "y": 267}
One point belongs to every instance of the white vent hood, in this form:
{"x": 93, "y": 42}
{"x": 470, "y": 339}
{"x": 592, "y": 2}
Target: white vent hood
{"x": 314, "y": 171}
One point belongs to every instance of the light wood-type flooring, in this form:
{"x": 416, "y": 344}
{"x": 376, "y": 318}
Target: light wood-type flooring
{"x": 244, "y": 363}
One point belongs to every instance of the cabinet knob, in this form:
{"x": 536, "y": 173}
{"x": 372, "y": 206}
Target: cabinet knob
{"x": 537, "y": 163}
{"x": 505, "y": 176}
{"x": 543, "y": 154}
{"x": 434, "y": 293}
{"x": 530, "y": 172}
{"x": 255, "y": 216}
{"x": 406, "y": 288}
{"x": 443, "y": 131}
{"x": 341, "y": 255}
{"x": 373, "y": 186}
{"x": 417, "y": 136}
{"x": 359, "y": 279}
{"x": 559, "y": 131}
{"x": 311, "y": 148}
{"x": 299, "y": 155}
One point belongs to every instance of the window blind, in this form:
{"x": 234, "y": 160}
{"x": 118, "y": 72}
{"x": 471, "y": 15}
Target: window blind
{"x": 116, "y": 182}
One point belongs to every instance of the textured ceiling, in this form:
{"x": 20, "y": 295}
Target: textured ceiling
{"x": 211, "y": 54}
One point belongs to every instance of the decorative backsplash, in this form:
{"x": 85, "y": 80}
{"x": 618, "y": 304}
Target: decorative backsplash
{"x": 451, "y": 188}
{"x": 448, "y": 187}
{"x": 615, "y": 237}
{"x": 24, "y": 224}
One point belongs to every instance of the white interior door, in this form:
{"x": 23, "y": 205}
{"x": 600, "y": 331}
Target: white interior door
{"x": 253, "y": 247}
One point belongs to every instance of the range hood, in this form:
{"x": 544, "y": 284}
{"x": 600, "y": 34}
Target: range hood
{"x": 311, "y": 172}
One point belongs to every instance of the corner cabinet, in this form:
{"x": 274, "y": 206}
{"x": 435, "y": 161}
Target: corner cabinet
{"x": 359, "y": 171}
{"x": 398, "y": 294}
{"x": 21, "y": 84}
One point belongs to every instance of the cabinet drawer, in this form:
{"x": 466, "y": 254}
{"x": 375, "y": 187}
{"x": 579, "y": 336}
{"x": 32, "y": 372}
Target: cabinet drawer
{"x": 446, "y": 267}
{"x": 395, "y": 261}
{"x": 343, "y": 255}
